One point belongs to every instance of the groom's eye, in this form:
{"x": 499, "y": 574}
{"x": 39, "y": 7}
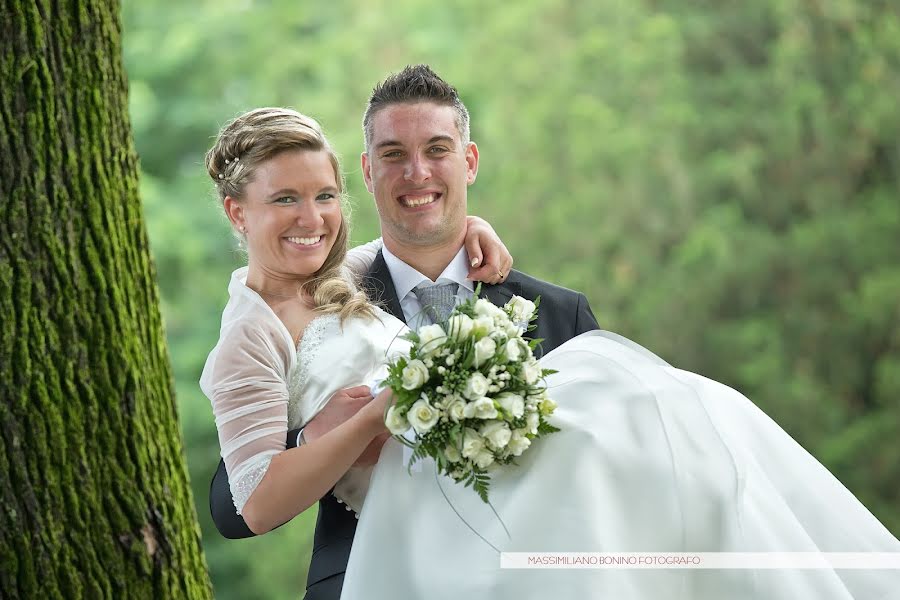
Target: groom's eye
{"x": 392, "y": 154}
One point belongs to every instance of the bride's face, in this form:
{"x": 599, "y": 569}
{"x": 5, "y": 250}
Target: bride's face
{"x": 290, "y": 215}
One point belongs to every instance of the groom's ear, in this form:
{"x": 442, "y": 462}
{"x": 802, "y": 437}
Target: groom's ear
{"x": 367, "y": 171}
{"x": 471, "y": 163}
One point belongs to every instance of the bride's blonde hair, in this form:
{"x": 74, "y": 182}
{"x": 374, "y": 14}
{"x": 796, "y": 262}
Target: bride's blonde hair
{"x": 255, "y": 137}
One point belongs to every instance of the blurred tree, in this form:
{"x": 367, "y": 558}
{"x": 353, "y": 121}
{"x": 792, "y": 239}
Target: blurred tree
{"x": 95, "y": 494}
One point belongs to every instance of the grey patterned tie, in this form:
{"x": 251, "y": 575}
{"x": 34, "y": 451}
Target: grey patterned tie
{"x": 437, "y": 300}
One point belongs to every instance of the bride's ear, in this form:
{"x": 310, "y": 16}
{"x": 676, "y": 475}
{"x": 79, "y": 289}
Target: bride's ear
{"x": 235, "y": 212}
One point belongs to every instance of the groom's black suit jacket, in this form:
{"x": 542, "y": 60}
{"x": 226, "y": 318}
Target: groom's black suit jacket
{"x": 563, "y": 314}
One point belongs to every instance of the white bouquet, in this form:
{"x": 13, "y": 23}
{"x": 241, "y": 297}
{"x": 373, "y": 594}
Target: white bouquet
{"x": 472, "y": 391}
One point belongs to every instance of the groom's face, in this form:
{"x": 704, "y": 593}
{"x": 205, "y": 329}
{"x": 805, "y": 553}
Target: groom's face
{"x": 418, "y": 169}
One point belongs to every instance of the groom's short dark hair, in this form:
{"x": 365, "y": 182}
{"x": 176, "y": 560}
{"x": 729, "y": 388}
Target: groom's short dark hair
{"x": 416, "y": 83}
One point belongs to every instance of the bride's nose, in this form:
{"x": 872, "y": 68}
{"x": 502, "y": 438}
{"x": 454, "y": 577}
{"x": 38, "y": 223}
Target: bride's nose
{"x": 309, "y": 215}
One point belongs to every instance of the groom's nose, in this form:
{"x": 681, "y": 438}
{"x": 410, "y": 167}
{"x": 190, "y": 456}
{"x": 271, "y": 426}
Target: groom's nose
{"x": 416, "y": 170}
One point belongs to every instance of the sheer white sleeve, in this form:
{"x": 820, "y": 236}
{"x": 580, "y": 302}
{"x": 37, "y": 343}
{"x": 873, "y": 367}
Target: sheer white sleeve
{"x": 360, "y": 258}
{"x": 245, "y": 378}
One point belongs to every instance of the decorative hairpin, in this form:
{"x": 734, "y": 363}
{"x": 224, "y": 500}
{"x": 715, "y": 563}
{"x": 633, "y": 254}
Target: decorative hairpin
{"x": 228, "y": 162}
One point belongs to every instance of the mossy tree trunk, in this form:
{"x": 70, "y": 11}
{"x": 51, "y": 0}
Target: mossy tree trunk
{"x": 94, "y": 495}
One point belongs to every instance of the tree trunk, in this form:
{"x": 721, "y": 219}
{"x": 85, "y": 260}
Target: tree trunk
{"x": 94, "y": 495}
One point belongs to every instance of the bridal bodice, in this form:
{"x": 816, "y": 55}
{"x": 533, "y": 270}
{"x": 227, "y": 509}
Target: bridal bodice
{"x": 333, "y": 356}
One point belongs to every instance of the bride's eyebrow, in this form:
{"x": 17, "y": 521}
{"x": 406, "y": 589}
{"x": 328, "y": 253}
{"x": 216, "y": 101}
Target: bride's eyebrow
{"x": 284, "y": 192}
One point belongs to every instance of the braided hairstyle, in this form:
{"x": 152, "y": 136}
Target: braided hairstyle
{"x": 253, "y": 138}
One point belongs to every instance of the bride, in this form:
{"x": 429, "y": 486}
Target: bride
{"x": 649, "y": 458}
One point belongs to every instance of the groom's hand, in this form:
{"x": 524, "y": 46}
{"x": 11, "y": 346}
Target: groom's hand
{"x": 343, "y": 405}
{"x": 370, "y": 455}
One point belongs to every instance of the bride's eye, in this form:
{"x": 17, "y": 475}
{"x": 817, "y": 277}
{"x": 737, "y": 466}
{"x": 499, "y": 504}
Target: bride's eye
{"x": 325, "y": 197}
{"x": 284, "y": 200}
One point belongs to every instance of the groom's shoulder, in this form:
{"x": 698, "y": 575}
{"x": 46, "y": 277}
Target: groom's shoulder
{"x": 532, "y": 286}
{"x": 566, "y": 312}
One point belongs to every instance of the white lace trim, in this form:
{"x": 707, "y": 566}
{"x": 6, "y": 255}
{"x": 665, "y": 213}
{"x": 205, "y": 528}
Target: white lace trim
{"x": 246, "y": 483}
{"x": 307, "y": 350}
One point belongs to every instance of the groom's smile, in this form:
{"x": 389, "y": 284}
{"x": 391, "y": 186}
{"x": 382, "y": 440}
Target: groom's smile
{"x": 417, "y": 200}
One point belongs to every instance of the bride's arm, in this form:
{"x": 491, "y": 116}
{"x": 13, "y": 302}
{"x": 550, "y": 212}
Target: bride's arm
{"x": 299, "y": 477}
{"x": 246, "y": 383}
{"x": 491, "y": 260}
{"x": 360, "y": 258}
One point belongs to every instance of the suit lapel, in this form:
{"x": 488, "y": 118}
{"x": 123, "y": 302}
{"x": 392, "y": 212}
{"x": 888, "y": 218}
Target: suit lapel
{"x": 379, "y": 287}
{"x": 501, "y": 293}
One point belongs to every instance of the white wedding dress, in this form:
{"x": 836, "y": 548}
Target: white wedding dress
{"x": 649, "y": 459}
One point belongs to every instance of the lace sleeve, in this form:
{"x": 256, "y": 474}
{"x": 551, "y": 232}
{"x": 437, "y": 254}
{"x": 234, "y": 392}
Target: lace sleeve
{"x": 245, "y": 379}
{"x": 360, "y": 258}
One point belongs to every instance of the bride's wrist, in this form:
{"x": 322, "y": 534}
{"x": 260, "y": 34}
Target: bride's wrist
{"x": 373, "y": 420}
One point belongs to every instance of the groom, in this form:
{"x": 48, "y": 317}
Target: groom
{"x": 418, "y": 165}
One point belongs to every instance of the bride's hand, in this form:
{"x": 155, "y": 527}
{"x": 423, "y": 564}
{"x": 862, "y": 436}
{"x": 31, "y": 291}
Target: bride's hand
{"x": 484, "y": 245}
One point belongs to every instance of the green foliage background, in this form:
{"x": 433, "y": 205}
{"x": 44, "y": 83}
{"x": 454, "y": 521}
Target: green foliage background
{"x": 720, "y": 178}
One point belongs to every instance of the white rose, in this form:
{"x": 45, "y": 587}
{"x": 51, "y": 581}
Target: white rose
{"x": 484, "y": 308}
{"x": 484, "y": 349}
{"x": 483, "y": 408}
{"x": 512, "y": 330}
{"x": 482, "y": 325}
{"x": 431, "y": 338}
{"x": 472, "y": 443}
{"x": 522, "y": 310}
{"x": 452, "y": 453}
{"x": 512, "y": 403}
{"x": 496, "y": 433}
{"x": 518, "y": 443}
{"x": 396, "y": 423}
{"x": 547, "y": 406}
{"x": 531, "y": 422}
{"x": 422, "y": 416}
{"x": 513, "y": 350}
{"x": 533, "y": 400}
{"x": 460, "y": 327}
{"x": 499, "y": 337}
{"x": 476, "y": 386}
{"x": 531, "y": 371}
{"x": 415, "y": 374}
{"x": 457, "y": 410}
{"x": 484, "y": 459}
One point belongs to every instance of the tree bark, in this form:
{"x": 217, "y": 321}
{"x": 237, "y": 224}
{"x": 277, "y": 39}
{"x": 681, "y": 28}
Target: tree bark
{"x": 94, "y": 494}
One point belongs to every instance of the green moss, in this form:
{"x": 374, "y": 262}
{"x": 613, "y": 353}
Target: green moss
{"x": 95, "y": 490}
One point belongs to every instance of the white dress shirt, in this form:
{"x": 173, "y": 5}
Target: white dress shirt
{"x": 406, "y": 279}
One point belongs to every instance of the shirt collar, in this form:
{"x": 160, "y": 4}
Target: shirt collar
{"x": 406, "y": 278}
